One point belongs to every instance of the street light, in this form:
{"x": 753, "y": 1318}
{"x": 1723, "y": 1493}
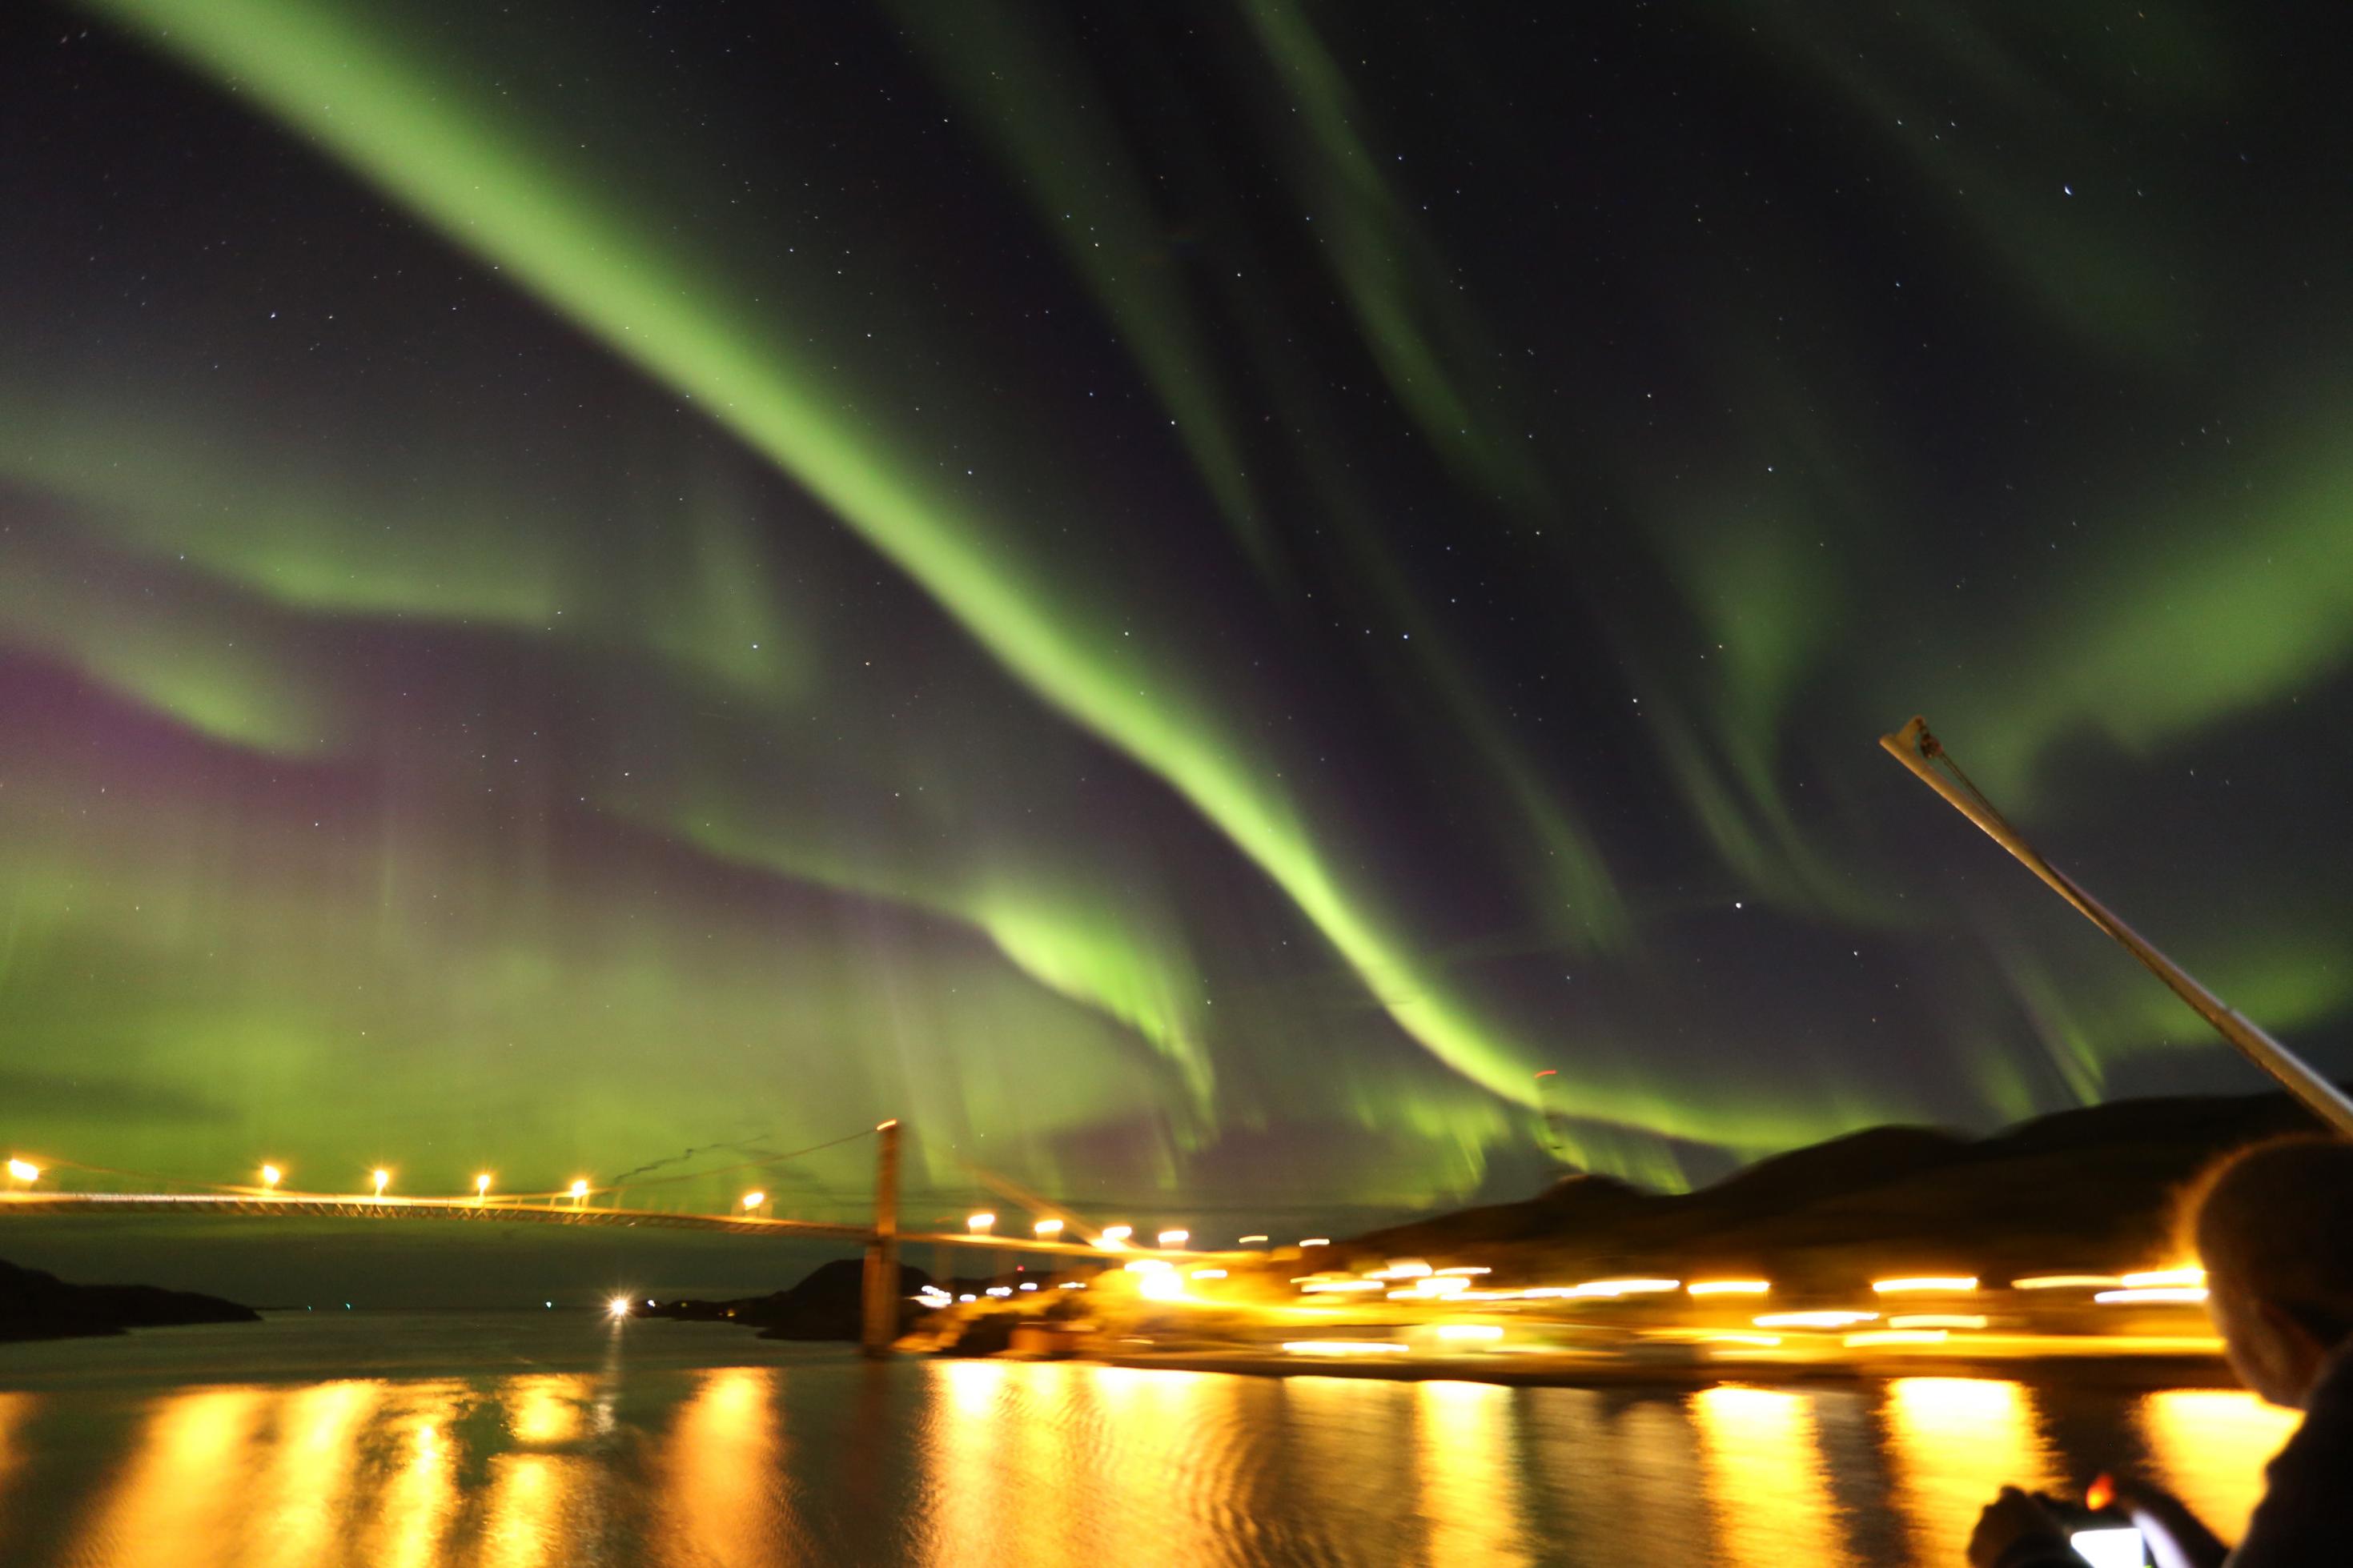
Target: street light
{"x": 1115, "y": 1236}
{"x": 24, "y": 1171}
{"x": 383, "y": 1180}
{"x": 619, "y": 1307}
{"x": 580, "y": 1191}
{"x": 270, "y": 1175}
{"x": 754, "y": 1200}
{"x": 979, "y": 1224}
{"x": 1047, "y": 1229}
{"x": 1174, "y": 1238}
{"x": 481, "y": 1186}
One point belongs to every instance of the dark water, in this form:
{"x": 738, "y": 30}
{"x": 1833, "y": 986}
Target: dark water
{"x": 521, "y": 1441}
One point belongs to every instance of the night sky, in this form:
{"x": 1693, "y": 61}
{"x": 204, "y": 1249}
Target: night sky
{"x": 1182, "y": 596}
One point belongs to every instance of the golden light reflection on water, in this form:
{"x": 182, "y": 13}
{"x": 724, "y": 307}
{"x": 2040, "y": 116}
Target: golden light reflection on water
{"x": 532, "y": 1515}
{"x": 1766, "y": 1482}
{"x": 179, "y": 1501}
{"x": 300, "y": 1498}
{"x": 545, "y": 1408}
{"x": 1073, "y": 1464}
{"x": 1087, "y": 1465}
{"x": 2211, "y": 1446}
{"x": 725, "y": 1475}
{"x": 1163, "y": 1456}
{"x": 1350, "y": 1446}
{"x": 16, "y": 1409}
{"x": 1952, "y": 1444}
{"x": 419, "y": 1497}
{"x": 1469, "y": 1485}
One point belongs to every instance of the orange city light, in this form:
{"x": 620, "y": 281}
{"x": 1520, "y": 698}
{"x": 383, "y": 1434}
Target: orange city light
{"x": 1615, "y": 1287}
{"x": 1115, "y": 1236}
{"x": 1828, "y": 1320}
{"x": 23, "y": 1170}
{"x": 1730, "y": 1288}
{"x": 382, "y": 1179}
{"x": 979, "y": 1221}
{"x": 754, "y": 1200}
{"x": 1927, "y": 1284}
{"x": 1937, "y": 1321}
{"x": 1174, "y": 1238}
{"x": 1049, "y": 1228}
{"x": 2152, "y": 1278}
{"x": 2065, "y": 1282}
{"x": 579, "y": 1190}
{"x": 482, "y": 1185}
{"x": 270, "y": 1175}
{"x": 1895, "y": 1337}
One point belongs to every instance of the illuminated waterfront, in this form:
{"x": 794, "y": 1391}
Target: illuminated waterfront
{"x": 519, "y": 1439}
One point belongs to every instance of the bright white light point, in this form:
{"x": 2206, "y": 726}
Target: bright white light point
{"x": 1737, "y": 904}
{"x": 2069, "y": 189}
{"x": 23, "y": 1170}
{"x": 580, "y": 1189}
{"x": 618, "y": 1306}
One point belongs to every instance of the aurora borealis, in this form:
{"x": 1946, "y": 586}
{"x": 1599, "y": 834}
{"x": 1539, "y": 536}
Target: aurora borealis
{"x": 1182, "y": 599}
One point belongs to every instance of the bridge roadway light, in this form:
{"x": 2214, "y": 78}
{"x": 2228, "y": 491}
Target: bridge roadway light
{"x": 481, "y": 1186}
{"x": 382, "y": 1179}
{"x": 24, "y": 1171}
{"x": 1174, "y": 1238}
{"x": 270, "y": 1176}
{"x": 979, "y": 1224}
{"x": 1115, "y": 1236}
{"x": 754, "y": 1200}
{"x": 1046, "y": 1230}
{"x": 580, "y": 1192}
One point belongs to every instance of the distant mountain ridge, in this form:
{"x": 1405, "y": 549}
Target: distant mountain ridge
{"x": 2091, "y": 1188}
{"x": 825, "y": 1305}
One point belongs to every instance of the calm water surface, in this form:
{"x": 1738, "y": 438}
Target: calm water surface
{"x": 521, "y": 1440}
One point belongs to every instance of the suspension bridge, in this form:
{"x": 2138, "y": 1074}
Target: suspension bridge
{"x": 880, "y": 1236}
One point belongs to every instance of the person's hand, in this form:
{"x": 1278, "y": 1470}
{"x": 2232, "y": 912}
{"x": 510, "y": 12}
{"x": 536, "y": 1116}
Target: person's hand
{"x": 2177, "y": 1538}
{"x": 2010, "y": 1520}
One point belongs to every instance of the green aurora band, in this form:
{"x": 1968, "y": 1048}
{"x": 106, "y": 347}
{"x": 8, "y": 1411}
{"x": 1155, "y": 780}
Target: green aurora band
{"x": 460, "y": 162}
{"x": 851, "y": 891}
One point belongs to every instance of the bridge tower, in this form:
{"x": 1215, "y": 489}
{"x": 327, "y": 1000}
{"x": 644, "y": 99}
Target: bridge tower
{"x": 879, "y": 1298}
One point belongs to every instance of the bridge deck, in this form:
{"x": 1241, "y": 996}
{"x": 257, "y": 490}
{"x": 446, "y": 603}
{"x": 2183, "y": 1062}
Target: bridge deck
{"x": 511, "y": 1211}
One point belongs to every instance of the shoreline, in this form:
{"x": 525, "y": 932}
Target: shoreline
{"x": 2139, "y": 1372}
